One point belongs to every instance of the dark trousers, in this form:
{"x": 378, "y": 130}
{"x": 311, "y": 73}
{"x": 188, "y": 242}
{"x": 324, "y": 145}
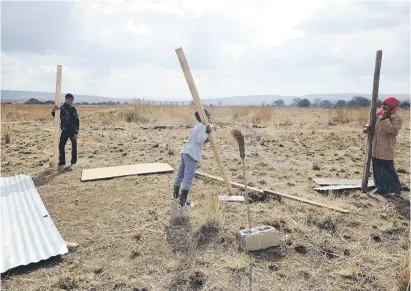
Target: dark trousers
{"x": 65, "y": 136}
{"x": 386, "y": 179}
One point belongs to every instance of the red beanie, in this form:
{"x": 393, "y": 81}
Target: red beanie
{"x": 391, "y": 100}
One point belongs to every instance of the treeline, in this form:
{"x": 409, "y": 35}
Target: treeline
{"x": 355, "y": 102}
{"x": 49, "y": 102}
{"x": 108, "y": 103}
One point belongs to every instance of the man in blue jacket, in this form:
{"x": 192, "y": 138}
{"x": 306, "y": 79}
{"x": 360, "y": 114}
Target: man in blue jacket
{"x": 70, "y": 126}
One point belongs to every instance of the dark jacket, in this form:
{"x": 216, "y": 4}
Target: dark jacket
{"x": 69, "y": 118}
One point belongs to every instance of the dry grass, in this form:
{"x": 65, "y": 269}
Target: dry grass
{"x": 348, "y": 115}
{"x": 132, "y": 238}
{"x": 404, "y": 274}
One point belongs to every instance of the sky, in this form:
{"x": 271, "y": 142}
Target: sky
{"x": 126, "y": 48}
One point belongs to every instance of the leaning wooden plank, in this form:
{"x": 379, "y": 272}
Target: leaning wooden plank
{"x": 339, "y": 187}
{"x": 233, "y": 184}
{"x": 121, "y": 171}
{"x": 303, "y": 200}
{"x": 326, "y": 182}
{"x": 238, "y": 185}
{"x": 231, "y": 198}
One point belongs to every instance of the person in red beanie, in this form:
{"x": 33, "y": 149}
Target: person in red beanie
{"x": 384, "y": 140}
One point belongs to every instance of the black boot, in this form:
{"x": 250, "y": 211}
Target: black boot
{"x": 176, "y": 192}
{"x": 183, "y": 198}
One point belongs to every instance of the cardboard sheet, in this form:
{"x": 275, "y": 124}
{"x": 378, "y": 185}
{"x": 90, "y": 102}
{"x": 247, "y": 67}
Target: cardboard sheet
{"x": 121, "y": 171}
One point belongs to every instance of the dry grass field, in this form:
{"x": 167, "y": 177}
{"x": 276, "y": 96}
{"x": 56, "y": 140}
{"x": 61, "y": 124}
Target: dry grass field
{"x": 132, "y": 238}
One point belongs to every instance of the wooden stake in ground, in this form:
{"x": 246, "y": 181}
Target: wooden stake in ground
{"x": 200, "y": 109}
{"x": 373, "y": 117}
{"x": 54, "y": 162}
{"x": 241, "y": 144}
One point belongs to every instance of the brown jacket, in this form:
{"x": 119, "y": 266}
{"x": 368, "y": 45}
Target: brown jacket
{"x": 385, "y": 137}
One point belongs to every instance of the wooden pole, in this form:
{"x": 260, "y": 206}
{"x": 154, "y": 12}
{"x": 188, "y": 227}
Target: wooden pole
{"x": 57, "y": 120}
{"x": 197, "y": 102}
{"x": 372, "y": 120}
{"x": 246, "y": 196}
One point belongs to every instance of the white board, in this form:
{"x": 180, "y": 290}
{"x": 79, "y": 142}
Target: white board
{"x": 326, "y": 182}
{"x": 339, "y": 187}
{"x": 231, "y": 198}
{"x": 121, "y": 171}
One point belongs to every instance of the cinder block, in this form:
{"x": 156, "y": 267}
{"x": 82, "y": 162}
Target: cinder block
{"x": 258, "y": 238}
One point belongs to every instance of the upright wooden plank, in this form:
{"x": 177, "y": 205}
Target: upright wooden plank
{"x": 54, "y": 162}
{"x": 373, "y": 117}
{"x": 191, "y": 85}
{"x": 127, "y": 170}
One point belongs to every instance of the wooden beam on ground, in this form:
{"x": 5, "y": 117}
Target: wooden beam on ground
{"x": 196, "y": 98}
{"x": 373, "y": 118}
{"x": 233, "y": 184}
{"x": 303, "y": 200}
{"x": 287, "y": 196}
{"x": 54, "y": 162}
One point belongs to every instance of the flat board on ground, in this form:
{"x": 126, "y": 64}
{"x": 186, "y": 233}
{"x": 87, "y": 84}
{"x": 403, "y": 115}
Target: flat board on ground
{"x": 339, "y": 187}
{"x": 231, "y": 198}
{"x": 127, "y": 170}
{"x": 326, "y": 181}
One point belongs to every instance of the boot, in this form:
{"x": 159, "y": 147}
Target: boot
{"x": 176, "y": 192}
{"x": 183, "y": 198}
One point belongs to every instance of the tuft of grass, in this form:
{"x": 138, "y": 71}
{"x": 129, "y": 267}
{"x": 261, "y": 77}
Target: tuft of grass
{"x": 404, "y": 274}
{"x": 350, "y": 272}
{"x": 6, "y": 136}
{"x": 263, "y": 114}
{"x": 238, "y": 262}
{"x": 241, "y": 112}
{"x": 170, "y": 150}
{"x": 348, "y": 115}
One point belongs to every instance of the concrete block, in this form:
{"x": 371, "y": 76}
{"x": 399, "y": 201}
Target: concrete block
{"x": 258, "y": 238}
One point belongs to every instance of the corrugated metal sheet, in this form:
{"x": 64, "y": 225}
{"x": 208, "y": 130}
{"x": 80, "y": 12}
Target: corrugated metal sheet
{"x": 28, "y": 234}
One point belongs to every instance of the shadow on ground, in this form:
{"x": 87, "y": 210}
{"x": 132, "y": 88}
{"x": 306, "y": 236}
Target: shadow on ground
{"x": 21, "y": 270}
{"x": 48, "y": 175}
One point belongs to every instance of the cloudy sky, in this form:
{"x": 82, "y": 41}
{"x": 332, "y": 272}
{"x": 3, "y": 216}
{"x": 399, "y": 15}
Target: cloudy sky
{"x": 126, "y": 48}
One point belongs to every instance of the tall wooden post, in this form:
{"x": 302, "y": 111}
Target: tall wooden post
{"x": 373, "y": 118}
{"x": 57, "y": 120}
{"x": 197, "y": 102}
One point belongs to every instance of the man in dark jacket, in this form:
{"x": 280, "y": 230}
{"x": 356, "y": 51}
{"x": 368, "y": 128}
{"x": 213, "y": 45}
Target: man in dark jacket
{"x": 70, "y": 126}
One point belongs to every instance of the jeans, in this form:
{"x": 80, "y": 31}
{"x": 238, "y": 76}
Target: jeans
{"x": 65, "y": 136}
{"x": 186, "y": 172}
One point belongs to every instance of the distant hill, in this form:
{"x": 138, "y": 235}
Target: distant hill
{"x": 22, "y": 96}
{"x": 269, "y": 99}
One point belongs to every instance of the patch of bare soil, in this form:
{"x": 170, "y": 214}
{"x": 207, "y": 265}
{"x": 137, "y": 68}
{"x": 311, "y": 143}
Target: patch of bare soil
{"x": 132, "y": 236}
